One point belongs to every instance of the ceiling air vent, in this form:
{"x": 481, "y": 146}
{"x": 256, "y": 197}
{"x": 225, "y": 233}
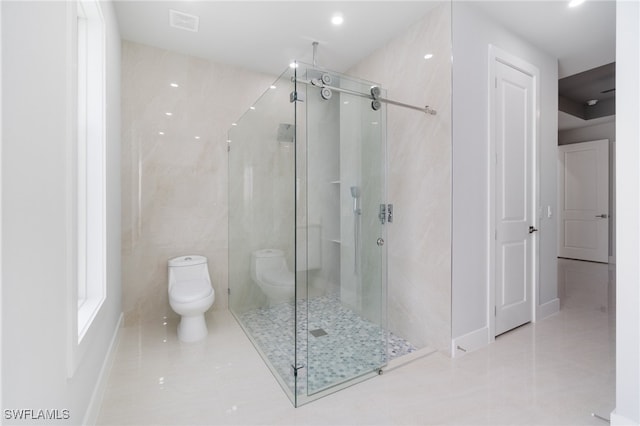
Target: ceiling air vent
{"x": 183, "y": 21}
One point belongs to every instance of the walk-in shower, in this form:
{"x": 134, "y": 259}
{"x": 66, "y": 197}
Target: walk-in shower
{"x": 307, "y": 229}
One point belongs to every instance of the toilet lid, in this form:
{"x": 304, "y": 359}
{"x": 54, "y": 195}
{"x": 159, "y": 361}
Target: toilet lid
{"x": 190, "y": 290}
{"x": 280, "y": 277}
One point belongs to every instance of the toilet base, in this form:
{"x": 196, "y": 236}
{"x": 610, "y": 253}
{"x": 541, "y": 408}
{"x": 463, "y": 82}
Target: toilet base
{"x": 192, "y": 328}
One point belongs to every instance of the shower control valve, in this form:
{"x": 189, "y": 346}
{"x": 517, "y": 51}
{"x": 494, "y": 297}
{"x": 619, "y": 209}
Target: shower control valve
{"x": 380, "y": 242}
{"x": 386, "y": 213}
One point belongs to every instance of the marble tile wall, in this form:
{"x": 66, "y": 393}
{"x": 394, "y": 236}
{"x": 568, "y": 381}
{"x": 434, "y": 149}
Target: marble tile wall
{"x": 419, "y": 177}
{"x": 174, "y": 183}
{"x": 175, "y": 186}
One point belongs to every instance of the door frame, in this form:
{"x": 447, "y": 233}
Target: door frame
{"x": 498, "y": 55}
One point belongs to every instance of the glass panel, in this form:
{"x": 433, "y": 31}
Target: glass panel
{"x": 261, "y": 228}
{"x": 307, "y": 275}
{"x": 344, "y": 267}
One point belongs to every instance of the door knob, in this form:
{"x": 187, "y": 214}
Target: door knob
{"x": 532, "y": 229}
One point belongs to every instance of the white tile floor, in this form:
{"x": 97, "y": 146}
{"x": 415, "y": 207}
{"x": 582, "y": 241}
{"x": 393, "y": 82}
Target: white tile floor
{"x": 555, "y": 372}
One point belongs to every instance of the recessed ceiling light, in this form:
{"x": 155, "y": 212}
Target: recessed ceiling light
{"x": 174, "y": 85}
{"x": 272, "y": 87}
{"x": 428, "y": 56}
{"x": 337, "y": 19}
{"x": 234, "y": 124}
{"x": 574, "y": 3}
{"x": 252, "y": 108}
{"x": 197, "y": 137}
{"x": 161, "y": 133}
{"x": 592, "y": 102}
{"x": 293, "y": 64}
{"x": 169, "y": 114}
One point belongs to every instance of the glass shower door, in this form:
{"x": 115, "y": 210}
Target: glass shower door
{"x": 345, "y": 327}
{"x": 261, "y": 227}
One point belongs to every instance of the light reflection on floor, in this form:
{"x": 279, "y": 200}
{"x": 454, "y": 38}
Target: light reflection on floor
{"x": 554, "y": 372}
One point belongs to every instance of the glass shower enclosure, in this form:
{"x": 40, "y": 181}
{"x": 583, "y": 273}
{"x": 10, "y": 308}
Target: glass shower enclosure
{"x": 307, "y": 215}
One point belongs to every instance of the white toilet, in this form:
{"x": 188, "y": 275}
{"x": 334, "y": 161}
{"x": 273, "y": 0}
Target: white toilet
{"x": 190, "y": 295}
{"x": 270, "y": 272}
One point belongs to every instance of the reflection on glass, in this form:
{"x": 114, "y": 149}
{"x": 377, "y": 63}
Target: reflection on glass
{"x": 307, "y": 274}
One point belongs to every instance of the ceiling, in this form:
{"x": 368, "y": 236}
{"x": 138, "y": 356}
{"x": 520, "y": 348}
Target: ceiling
{"x": 584, "y": 41}
{"x": 581, "y": 38}
{"x": 589, "y": 94}
{"x": 266, "y": 35}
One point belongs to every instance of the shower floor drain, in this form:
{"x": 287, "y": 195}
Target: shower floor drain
{"x": 318, "y": 332}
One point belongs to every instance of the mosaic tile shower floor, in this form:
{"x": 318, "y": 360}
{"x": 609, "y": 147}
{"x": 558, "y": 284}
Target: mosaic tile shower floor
{"x": 352, "y": 345}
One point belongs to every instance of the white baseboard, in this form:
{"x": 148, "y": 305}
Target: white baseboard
{"x": 618, "y": 420}
{"x": 93, "y": 410}
{"x": 470, "y": 342}
{"x": 547, "y": 309}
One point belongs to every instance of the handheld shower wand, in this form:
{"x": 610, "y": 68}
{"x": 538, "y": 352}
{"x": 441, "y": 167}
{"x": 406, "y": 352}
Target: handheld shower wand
{"x": 355, "y": 193}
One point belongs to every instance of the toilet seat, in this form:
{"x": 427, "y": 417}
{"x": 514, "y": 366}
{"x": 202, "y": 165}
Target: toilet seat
{"x": 190, "y": 290}
{"x": 279, "y": 278}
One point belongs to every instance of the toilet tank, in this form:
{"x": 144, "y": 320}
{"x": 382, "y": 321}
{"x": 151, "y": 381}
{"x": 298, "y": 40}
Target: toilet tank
{"x": 309, "y": 245}
{"x": 188, "y": 268}
{"x": 265, "y": 260}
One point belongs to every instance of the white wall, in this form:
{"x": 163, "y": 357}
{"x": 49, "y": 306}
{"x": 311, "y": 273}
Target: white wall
{"x": 1, "y": 144}
{"x": 37, "y": 140}
{"x": 591, "y": 133}
{"x": 472, "y": 34}
{"x": 627, "y": 410}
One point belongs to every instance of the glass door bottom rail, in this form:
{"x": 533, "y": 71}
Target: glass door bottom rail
{"x": 341, "y": 344}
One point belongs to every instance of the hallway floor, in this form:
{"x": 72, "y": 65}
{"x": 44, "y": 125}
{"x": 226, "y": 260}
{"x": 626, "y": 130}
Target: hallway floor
{"x": 554, "y": 372}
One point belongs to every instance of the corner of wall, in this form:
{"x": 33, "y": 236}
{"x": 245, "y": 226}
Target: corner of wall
{"x": 547, "y": 309}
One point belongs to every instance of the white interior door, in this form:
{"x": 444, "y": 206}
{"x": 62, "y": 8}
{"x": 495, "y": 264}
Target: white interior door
{"x": 583, "y": 190}
{"x": 514, "y": 133}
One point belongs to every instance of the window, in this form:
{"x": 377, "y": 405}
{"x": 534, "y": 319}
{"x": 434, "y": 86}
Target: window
{"x": 91, "y": 220}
